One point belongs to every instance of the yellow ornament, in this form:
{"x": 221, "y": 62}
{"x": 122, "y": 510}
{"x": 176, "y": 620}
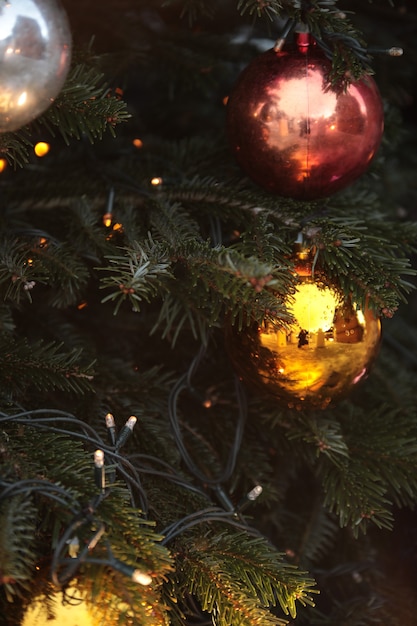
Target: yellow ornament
{"x": 69, "y": 614}
{"x": 315, "y": 361}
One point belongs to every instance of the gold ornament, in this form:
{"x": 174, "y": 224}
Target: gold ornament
{"x": 317, "y": 360}
{"x": 68, "y": 614}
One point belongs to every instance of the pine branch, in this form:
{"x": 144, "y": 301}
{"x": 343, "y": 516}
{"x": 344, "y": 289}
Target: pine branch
{"x": 318, "y": 537}
{"x": 217, "y": 281}
{"x": 64, "y": 481}
{"x": 270, "y": 9}
{"x": 84, "y": 108}
{"x": 341, "y": 42}
{"x": 366, "y": 258}
{"x": 30, "y": 261}
{"x": 213, "y": 196}
{"x": 237, "y": 578}
{"x": 17, "y": 545}
{"x": 138, "y": 276}
{"x": 18, "y": 276}
{"x": 172, "y": 223}
{"x": 42, "y": 366}
{"x": 357, "y": 495}
{"x": 193, "y": 9}
{"x": 393, "y": 459}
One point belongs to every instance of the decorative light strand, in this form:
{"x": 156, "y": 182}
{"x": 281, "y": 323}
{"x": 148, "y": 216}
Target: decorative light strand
{"x": 184, "y": 383}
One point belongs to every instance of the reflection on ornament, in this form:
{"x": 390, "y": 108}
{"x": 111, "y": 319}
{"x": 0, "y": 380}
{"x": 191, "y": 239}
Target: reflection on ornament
{"x": 74, "y": 614}
{"x": 295, "y": 136}
{"x": 315, "y": 361}
{"x": 35, "y": 54}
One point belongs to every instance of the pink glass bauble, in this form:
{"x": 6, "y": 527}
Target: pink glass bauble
{"x": 295, "y": 136}
{"x": 35, "y": 55}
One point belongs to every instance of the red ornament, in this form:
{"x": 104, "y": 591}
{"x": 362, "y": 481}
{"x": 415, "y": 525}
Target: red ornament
{"x": 292, "y": 133}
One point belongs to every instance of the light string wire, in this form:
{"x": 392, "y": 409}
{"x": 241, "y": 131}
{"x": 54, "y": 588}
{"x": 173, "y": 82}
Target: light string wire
{"x": 184, "y": 383}
{"x": 229, "y": 514}
{"x": 121, "y": 464}
{"x": 63, "y": 569}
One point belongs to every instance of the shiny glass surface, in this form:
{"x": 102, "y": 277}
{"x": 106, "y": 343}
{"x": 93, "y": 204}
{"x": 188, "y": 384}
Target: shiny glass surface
{"x": 35, "y": 54}
{"x": 295, "y": 136}
{"x": 318, "y": 360}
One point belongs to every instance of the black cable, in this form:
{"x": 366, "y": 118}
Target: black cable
{"x": 184, "y": 383}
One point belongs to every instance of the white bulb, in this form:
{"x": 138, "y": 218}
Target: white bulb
{"x": 131, "y": 422}
{"x": 255, "y": 492}
{"x": 99, "y": 458}
{"x": 141, "y": 578}
{"x": 110, "y": 421}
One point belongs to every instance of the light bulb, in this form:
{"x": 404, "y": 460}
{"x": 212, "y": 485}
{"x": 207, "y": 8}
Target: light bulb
{"x": 41, "y": 148}
{"x": 107, "y": 219}
{"x": 111, "y": 428}
{"x": 99, "y": 458}
{"x": 255, "y": 492}
{"x": 141, "y": 578}
{"x": 126, "y": 432}
{"x": 99, "y": 472}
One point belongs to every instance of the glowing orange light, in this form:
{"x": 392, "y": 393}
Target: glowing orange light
{"x": 138, "y": 143}
{"x": 107, "y": 219}
{"x": 82, "y": 305}
{"x": 41, "y": 148}
{"x": 156, "y": 181}
{"x": 3, "y": 165}
{"x": 30, "y": 261}
{"x": 225, "y": 100}
{"x": 117, "y": 226}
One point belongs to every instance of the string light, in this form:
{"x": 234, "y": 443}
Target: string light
{"x": 184, "y": 383}
{"x": 3, "y": 165}
{"x": 125, "y": 432}
{"x": 107, "y": 218}
{"x": 108, "y": 215}
{"x": 137, "y": 575}
{"x": 250, "y": 497}
{"x": 63, "y": 569}
{"x": 279, "y": 44}
{"x": 41, "y": 148}
{"x": 99, "y": 472}
{"x": 138, "y": 143}
{"x": 111, "y": 428}
{"x": 156, "y": 181}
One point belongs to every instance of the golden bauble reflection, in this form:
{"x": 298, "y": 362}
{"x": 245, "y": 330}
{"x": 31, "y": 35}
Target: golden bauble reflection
{"x": 315, "y": 361}
{"x": 76, "y": 614}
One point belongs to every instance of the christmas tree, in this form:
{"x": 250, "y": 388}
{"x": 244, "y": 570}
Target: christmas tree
{"x": 180, "y": 442}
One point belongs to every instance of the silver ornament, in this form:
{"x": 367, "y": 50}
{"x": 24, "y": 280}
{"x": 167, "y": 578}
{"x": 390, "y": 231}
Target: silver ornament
{"x": 35, "y": 54}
